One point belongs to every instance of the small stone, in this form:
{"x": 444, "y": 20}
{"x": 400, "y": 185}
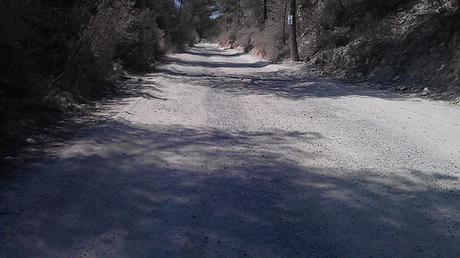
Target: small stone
{"x": 396, "y": 78}
{"x": 77, "y": 107}
{"x": 31, "y": 141}
{"x": 425, "y": 91}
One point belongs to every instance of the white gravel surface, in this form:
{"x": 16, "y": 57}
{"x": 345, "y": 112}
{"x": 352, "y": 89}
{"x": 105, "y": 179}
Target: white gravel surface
{"x": 218, "y": 154}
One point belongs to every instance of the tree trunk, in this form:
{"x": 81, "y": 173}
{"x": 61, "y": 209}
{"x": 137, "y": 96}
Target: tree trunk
{"x": 294, "y": 50}
{"x": 284, "y": 21}
{"x": 265, "y": 12}
{"x": 238, "y": 15}
{"x": 181, "y": 2}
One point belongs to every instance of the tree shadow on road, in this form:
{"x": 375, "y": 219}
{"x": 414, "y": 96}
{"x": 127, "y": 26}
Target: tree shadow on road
{"x": 206, "y": 52}
{"x": 215, "y": 64}
{"x": 282, "y": 84}
{"x": 136, "y": 87}
{"x": 173, "y": 191}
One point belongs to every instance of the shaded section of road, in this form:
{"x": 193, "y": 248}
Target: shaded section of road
{"x": 181, "y": 192}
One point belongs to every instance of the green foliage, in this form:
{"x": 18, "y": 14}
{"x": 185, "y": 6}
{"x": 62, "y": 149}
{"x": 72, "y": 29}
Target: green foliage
{"x": 143, "y": 44}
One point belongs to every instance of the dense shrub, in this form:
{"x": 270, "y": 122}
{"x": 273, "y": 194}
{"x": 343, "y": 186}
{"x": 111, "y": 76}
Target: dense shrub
{"x": 144, "y": 43}
{"x": 72, "y": 46}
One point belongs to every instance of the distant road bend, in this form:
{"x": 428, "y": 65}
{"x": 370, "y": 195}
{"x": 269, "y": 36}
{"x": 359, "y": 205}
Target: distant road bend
{"x": 220, "y": 155}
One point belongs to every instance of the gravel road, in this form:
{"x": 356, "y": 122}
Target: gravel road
{"x": 218, "y": 154}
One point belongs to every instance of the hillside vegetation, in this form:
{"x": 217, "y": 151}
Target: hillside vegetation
{"x": 412, "y": 43}
{"x": 56, "y": 55}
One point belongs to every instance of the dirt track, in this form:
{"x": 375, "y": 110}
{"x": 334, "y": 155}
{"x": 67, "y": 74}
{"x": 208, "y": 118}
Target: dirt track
{"x": 220, "y": 155}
